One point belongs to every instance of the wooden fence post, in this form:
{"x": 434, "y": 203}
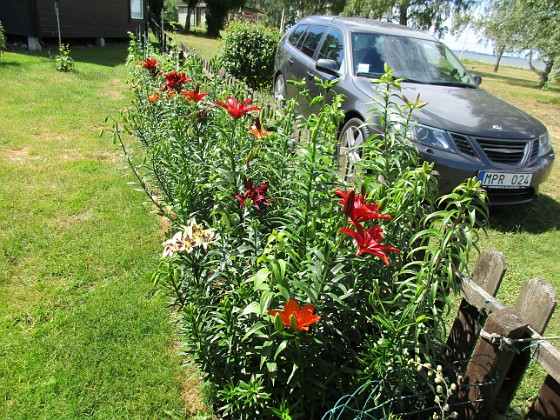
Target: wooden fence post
{"x": 488, "y": 274}
{"x": 536, "y": 303}
{"x": 547, "y": 404}
{"x": 490, "y": 364}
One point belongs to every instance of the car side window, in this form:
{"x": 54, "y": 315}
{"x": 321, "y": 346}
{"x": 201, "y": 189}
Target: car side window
{"x": 296, "y": 35}
{"x": 333, "y": 47}
{"x": 312, "y": 38}
{"x": 368, "y": 53}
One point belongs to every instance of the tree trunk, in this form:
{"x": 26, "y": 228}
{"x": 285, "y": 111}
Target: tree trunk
{"x": 546, "y": 73}
{"x": 500, "y": 54}
{"x": 543, "y": 75}
{"x": 403, "y": 12}
{"x": 188, "y": 21}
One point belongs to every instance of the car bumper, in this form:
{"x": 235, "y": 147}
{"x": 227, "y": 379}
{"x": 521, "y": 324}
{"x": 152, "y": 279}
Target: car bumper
{"x": 454, "y": 170}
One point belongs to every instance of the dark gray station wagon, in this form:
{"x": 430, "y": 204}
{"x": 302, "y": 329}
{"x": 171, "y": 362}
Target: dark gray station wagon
{"x": 463, "y": 129}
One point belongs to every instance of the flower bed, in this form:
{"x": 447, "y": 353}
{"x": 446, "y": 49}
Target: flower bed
{"x": 295, "y": 285}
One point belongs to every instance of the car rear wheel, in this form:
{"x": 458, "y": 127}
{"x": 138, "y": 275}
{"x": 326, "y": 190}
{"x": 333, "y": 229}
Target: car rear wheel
{"x": 279, "y": 88}
{"x": 352, "y": 136}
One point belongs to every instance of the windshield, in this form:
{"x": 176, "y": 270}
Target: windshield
{"x": 415, "y": 60}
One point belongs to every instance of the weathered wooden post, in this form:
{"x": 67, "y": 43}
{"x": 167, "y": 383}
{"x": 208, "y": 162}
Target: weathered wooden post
{"x": 537, "y": 302}
{"x": 487, "y": 275}
{"x": 490, "y": 363}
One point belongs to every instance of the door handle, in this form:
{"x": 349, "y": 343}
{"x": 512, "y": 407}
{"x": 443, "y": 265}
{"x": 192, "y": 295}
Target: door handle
{"x": 310, "y": 75}
{"x": 290, "y": 61}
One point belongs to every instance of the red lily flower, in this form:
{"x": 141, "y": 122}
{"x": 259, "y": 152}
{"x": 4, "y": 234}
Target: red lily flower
{"x": 369, "y": 241}
{"x": 174, "y": 81}
{"x": 258, "y": 130}
{"x": 195, "y": 95}
{"x": 150, "y": 64}
{"x": 255, "y": 194}
{"x": 297, "y": 318}
{"x": 235, "y": 109}
{"x": 357, "y": 209}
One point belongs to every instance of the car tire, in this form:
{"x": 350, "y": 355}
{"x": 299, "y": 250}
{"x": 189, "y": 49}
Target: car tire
{"x": 279, "y": 88}
{"x": 353, "y": 134}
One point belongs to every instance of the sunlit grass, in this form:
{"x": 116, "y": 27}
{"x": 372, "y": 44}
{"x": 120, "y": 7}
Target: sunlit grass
{"x": 81, "y": 332}
{"x": 197, "y": 39}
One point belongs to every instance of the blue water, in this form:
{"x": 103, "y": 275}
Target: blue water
{"x": 509, "y": 61}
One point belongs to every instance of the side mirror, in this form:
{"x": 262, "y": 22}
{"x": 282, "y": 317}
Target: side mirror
{"x": 477, "y": 79}
{"x": 327, "y": 66}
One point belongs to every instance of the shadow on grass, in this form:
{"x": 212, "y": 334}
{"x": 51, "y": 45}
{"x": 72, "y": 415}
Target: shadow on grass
{"x": 538, "y": 216}
{"x": 516, "y": 81}
{"x": 4, "y": 63}
{"x": 111, "y": 55}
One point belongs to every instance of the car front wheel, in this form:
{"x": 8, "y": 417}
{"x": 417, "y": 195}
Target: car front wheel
{"x": 279, "y": 88}
{"x": 352, "y": 136}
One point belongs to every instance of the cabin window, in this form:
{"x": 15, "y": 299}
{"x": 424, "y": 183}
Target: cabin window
{"x": 136, "y": 9}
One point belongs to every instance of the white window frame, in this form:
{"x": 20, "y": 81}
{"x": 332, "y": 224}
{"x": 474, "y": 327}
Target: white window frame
{"x": 137, "y": 9}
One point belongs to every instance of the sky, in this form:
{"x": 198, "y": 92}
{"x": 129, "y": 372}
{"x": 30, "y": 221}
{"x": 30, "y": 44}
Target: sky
{"x": 467, "y": 40}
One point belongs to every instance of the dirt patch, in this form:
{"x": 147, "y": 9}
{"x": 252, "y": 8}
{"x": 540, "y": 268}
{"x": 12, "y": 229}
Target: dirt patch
{"x": 115, "y": 89}
{"x": 191, "y": 394}
{"x": 52, "y": 136}
{"x": 25, "y": 154}
{"x": 107, "y": 157}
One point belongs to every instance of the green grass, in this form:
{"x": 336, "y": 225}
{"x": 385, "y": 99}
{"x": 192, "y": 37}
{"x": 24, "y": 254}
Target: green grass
{"x": 81, "y": 332}
{"x": 197, "y": 39}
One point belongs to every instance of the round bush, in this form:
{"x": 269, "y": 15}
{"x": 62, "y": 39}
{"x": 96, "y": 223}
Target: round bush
{"x": 247, "y": 52}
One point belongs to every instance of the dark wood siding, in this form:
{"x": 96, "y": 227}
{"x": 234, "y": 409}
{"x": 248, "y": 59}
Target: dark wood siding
{"x": 87, "y": 19}
{"x": 16, "y": 17}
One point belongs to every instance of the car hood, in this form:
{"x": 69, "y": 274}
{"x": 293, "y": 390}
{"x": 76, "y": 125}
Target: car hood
{"x": 471, "y": 111}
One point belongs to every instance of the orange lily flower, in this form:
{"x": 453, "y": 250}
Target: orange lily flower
{"x": 174, "y": 81}
{"x": 235, "y": 109}
{"x": 258, "y": 130}
{"x": 195, "y": 95}
{"x": 153, "y": 97}
{"x": 358, "y": 209}
{"x": 369, "y": 241}
{"x": 295, "y": 317}
{"x": 150, "y": 64}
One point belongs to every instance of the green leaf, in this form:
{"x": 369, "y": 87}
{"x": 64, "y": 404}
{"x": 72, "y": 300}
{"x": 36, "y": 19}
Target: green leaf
{"x": 260, "y": 279}
{"x": 255, "y": 328}
{"x": 280, "y": 348}
{"x": 252, "y": 308}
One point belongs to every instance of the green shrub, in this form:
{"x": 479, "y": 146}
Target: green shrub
{"x": 62, "y": 61}
{"x": 247, "y": 52}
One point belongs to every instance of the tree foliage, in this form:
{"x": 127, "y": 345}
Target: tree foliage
{"x": 286, "y": 12}
{"x": 155, "y": 7}
{"x": 216, "y": 13}
{"x": 422, "y": 14}
{"x": 532, "y": 26}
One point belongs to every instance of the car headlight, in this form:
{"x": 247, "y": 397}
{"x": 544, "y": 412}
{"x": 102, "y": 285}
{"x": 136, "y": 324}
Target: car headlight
{"x": 432, "y": 137}
{"x": 544, "y": 144}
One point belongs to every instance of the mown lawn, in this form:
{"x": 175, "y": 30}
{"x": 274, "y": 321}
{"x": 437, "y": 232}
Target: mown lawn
{"x": 81, "y": 332}
{"x": 197, "y": 39}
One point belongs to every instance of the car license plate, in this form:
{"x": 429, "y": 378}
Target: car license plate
{"x": 504, "y": 179}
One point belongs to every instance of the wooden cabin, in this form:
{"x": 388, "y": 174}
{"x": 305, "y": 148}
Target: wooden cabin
{"x": 79, "y": 19}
